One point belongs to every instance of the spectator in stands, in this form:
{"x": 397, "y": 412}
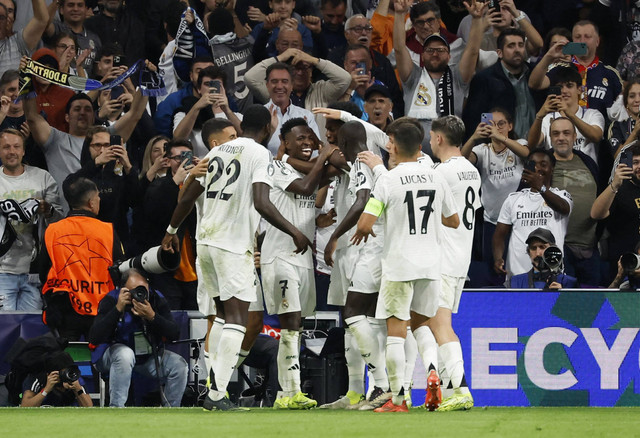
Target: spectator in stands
{"x": 154, "y": 163}
{"x": 577, "y": 173}
{"x": 123, "y": 25}
{"x": 65, "y": 45}
{"x": 282, "y": 17}
{"x": 34, "y": 193}
{"x": 499, "y": 157}
{"x": 623, "y": 132}
{"x": 171, "y": 22}
{"x": 540, "y": 277}
{"x": 213, "y": 102}
{"x": 538, "y": 205}
{"x": 333, "y": 18}
{"x": 132, "y": 325}
{"x": 305, "y": 93}
{"x": 279, "y": 77}
{"x": 73, "y": 15}
{"x": 358, "y": 31}
{"x": 79, "y": 276}
{"x": 557, "y": 35}
{"x": 600, "y": 85}
{"x": 625, "y": 280}
{"x": 50, "y": 389}
{"x": 435, "y": 90}
{"x": 18, "y": 44}
{"x": 378, "y": 106}
{"x": 504, "y": 85}
{"x": 618, "y": 202}
{"x": 357, "y": 62}
{"x": 588, "y": 122}
{"x": 163, "y": 117}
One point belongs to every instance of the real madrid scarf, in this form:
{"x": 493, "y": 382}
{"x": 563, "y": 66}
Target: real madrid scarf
{"x": 11, "y": 209}
{"x": 424, "y": 104}
{"x": 151, "y": 83}
{"x": 584, "y": 97}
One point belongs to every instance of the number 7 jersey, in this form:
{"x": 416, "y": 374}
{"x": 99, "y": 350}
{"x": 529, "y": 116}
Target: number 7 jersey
{"x": 415, "y": 197}
{"x": 229, "y": 218}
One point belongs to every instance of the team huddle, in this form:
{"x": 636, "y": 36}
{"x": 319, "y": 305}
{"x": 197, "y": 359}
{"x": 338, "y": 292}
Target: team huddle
{"x": 399, "y": 250}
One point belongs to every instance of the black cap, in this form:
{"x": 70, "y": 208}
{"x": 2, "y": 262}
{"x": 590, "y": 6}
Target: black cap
{"x": 377, "y": 88}
{"x": 541, "y": 234}
{"x": 437, "y": 37}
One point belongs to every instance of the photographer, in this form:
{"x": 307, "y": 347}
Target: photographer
{"x": 131, "y": 324}
{"x": 59, "y": 385}
{"x": 541, "y": 276}
{"x": 628, "y": 276}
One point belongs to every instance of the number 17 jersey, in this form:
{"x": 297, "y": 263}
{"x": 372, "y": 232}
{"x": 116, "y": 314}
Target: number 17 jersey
{"x": 229, "y": 218}
{"x": 415, "y": 197}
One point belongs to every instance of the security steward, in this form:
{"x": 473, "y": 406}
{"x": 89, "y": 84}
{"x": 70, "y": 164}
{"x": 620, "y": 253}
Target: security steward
{"x": 81, "y": 248}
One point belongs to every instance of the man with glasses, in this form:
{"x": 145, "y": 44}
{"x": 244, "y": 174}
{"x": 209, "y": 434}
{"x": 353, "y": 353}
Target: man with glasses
{"x": 358, "y": 31}
{"x": 73, "y": 14}
{"x": 15, "y": 45}
{"x": 436, "y": 89}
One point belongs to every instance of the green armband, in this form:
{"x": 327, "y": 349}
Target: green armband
{"x": 374, "y": 207}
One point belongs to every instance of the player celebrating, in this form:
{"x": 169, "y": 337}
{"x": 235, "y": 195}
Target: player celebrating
{"x": 463, "y": 178}
{"x": 288, "y": 278}
{"x": 237, "y": 188}
{"x": 415, "y": 201}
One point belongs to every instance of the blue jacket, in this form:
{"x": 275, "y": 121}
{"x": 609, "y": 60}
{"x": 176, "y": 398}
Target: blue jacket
{"x": 163, "y": 117}
{"x": 521, "y": 281}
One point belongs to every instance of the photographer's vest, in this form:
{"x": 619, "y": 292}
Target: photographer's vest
{"x": 81, "y": 251}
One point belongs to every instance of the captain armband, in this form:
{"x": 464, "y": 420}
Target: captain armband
{"x": 374, "y": 207}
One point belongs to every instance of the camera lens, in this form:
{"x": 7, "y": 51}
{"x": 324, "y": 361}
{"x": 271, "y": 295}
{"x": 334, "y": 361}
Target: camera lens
{"x": 140, "y": 294}
{"x": 70, "y": 374}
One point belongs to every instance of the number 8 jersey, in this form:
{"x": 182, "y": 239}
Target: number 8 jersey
{"x": 229, "y": 218}
{"x": 464, "y": 180}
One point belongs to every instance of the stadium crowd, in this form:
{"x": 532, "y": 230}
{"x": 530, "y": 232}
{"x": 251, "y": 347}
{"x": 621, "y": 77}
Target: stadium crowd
{"x": 284, "y": 122}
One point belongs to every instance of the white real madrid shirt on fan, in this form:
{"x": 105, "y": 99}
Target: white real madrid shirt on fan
{"x": 525, "y": 211}
{"x": 348, "y": 184}
{"x": 229, "y": 218}
{"x": 298, "y": 209}
{"x": 501, "y": 174}
{"x": 414, "y": 198}
{"x": 464, "y": 180}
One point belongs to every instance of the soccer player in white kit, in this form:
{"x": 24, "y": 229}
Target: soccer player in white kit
{"x": 464, "y": 179}
{"x": 288, "y": 278}
{"x": 415, "y": 202}
{"x": 237, "y": 188}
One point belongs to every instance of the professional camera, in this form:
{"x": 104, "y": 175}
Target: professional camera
{"x": 153, "y": 261}
{"x": 69, "y": 374}
{"x": 550, "y": 264}
{"x": 630, "y": 262}
{"x": 139, "y": 294}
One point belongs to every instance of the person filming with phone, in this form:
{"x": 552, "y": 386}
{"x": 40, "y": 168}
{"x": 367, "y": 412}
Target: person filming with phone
{"x": 105, "y": 161}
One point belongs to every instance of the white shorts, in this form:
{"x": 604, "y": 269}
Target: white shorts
{"x": 451, "y": 291}
{"x": 344, "y": 261}
{"x": 368, "y": 270}
{"x": 399, "y": 298}
{"x": 206, "y": 305}
{"x": 227, "y": 275}
{"x": 288, "y": 288}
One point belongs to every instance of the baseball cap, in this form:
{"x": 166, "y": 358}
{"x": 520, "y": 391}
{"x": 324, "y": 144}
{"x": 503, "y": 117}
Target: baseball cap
{"x": 377, "y": 88}
{"x": 436, "y": 37}
{"x": 541, "y": 234}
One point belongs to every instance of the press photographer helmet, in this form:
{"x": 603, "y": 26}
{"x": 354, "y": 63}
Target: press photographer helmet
{"x": 153, "y": 261}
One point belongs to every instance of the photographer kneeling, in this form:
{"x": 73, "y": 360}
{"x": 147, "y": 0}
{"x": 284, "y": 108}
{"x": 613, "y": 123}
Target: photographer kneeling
{"x": 545, "y": 273}
{"x": 59, "y": 385}
{"x": 628, "y": 276}
{"x": 131, "y": 325}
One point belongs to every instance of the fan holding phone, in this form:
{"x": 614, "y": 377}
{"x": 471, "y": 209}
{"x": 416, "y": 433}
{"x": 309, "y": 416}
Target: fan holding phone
{"x": 111, "y": 103}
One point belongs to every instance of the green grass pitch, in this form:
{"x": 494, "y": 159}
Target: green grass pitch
{"x": 258, "y": 423}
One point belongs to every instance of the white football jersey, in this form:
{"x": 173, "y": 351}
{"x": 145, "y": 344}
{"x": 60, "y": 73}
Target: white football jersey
{"x": 464, "y": 180}
{"x": 414, "y": 197}
{"x": 229, "y": 218}
{"x": 501, "y": 175}
{"x": 348, "y": 185}
{"x": 297, "y": 209}
{"x": 525, "y": 211}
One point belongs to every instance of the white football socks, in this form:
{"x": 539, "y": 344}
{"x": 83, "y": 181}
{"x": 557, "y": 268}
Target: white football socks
{"x": 410, "y": 354}
{"x": 370, "y": 351}
{"x": 452, "y": 357}
{"x": 395, "y": 367}
{"x": 289, "y": 362}
{"x": 225, "y": 359}
{"x": 427, "y": 346}
{"x": 355, "y": 363}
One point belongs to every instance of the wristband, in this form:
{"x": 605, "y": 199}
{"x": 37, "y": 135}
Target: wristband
{"x": 615, "y": 192}
{"x": 543, "y": 189}
{"x": 171, "y": 230}
{"x": 81, "y": 391}
{"x": 285, "y": 157}
{"x": 520, "y": 17}
{"x": 44, "y": 393}
{"x": 374, "y": 207}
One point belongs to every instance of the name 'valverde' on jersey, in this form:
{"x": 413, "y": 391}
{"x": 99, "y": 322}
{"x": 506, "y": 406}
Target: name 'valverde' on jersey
{"x": 229, "y": 218}
{"x": 298, "y": 209}
{"x": 415, "y": 197}
{"x": 464, "y": 180}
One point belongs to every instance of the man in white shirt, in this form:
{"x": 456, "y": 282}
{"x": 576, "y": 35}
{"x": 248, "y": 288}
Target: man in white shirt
{"x": 539, "y": 205}
{"x": 237, "y": 188}
{"x": 416, "y": 202}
